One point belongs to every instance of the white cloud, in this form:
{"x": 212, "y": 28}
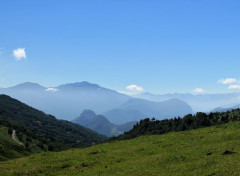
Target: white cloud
{"x": 234, "y": 87}
{"x": 134, "y": 88}
{"x": 198, "y": 90}
{"x": 51, "y": 89}
{"x": 227, "y": 81}
{"x": 19, "y": 53}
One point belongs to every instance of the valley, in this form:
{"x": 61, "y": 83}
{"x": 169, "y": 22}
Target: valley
{"x": 34, "y": 143}
{"x": 119, "y": 88}
{"x": 38, "y": 131}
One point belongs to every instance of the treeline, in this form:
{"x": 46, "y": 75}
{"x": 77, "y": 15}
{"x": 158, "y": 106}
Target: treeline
{"x": 188, "y": 122}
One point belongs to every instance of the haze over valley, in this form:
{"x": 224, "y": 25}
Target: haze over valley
{"x": 67, "y": 101}
{"x": 119, "y": 88}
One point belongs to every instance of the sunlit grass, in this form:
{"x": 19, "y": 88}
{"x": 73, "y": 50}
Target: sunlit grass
{"x": 182, "y": 153}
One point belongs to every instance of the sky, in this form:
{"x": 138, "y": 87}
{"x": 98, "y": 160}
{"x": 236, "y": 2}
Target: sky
{"x": 132, "y": 46}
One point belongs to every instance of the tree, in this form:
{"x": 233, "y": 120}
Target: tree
{"x": 10, "y": 131}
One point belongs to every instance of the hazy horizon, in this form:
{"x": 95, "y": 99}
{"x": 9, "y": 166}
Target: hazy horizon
{"x": 130, "y": 92}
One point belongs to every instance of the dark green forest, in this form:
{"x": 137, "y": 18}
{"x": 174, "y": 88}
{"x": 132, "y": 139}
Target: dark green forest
{"x": 51, "y": 134}
{"x": 152, "y": 126}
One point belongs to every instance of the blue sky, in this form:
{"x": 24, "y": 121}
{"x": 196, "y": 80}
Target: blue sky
{"x": 161, "y": 46}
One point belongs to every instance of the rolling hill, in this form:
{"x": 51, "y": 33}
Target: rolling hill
{"x": 206, "y": 151}
{"x": 47, "y": 130}
{"x": 188, "y": 122}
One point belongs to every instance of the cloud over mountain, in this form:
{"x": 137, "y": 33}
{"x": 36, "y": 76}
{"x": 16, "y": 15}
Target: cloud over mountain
{"x": 134, "y": 88}
{"x": 51, "y": 89}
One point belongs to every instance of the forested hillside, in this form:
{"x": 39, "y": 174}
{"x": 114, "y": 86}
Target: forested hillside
{"x": 24, "y": 143}
{"x": 52, "y": 134}
{"x": 188, "y": 122}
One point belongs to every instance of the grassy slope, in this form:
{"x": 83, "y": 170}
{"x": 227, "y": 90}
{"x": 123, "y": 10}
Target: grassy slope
{"x": 182, "y": 153}
{"x": 7, "y": 146}
{"x": 10, "y": 148}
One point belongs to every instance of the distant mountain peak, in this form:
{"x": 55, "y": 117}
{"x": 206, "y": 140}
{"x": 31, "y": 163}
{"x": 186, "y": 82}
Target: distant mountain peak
{"x": 28, "y": 85}
{"x": 88, "y": 112}
{"x": 83, "y": 84}
{"x": 175, "y": 100}
{"x": 85, "y": 117}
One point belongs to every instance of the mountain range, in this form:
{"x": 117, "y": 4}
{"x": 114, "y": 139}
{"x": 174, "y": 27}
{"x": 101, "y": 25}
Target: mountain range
{"x": 225, "y": 109}
{"x": 137, "y": 109}
{"x": 67, "y": 101}
{"x": 198, "y": 102}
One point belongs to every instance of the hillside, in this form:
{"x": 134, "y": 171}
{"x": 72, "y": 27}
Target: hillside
{"x": 55, "y": 134}
{"x": 188, "y": 122}
{"x": 207, "y": 151}
{"x": 25, "y": 144}
{"x": 101, "y": 124}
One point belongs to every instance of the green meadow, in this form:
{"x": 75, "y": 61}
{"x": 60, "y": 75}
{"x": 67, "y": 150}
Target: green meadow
{"x": 206, "y": 151}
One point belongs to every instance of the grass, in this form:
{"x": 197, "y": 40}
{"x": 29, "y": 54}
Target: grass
{"x": 182, "y": 153}
{"x": 10, "y": 149}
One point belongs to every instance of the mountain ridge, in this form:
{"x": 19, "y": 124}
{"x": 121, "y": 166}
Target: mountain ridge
{"x": 66, "y": 101}
{"x": 101, "y": 124}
